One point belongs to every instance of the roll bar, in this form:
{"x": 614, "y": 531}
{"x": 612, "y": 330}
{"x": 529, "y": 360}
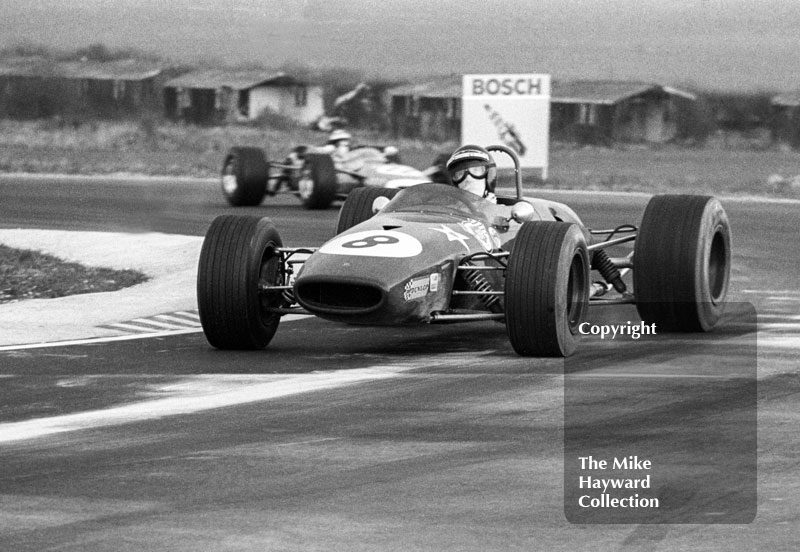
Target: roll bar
{"x": 513, "y": 155}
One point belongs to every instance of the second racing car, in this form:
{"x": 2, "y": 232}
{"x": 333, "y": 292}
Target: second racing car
{"x": 433, "y": 254}
{"x": 318, "y": 175}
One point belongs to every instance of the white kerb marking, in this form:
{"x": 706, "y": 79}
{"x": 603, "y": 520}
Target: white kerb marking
{"x": 183, "y": 404}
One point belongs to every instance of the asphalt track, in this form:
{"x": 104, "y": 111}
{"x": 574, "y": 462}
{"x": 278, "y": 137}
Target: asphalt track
{"x": 347, "y": 438}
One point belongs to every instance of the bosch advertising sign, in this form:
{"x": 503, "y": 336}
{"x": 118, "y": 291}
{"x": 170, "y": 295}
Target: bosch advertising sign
{"x": 513, "y": 110}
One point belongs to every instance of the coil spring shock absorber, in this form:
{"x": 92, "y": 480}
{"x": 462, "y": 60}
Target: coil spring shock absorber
{"x": 478, "y": 282}
{"x": 286, "y": 277}
{"x": 602, "y": 263}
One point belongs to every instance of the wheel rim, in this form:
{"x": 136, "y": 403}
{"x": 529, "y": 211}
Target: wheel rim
{"x": 717, "y": 267}
{"x": 576, "y": 287}
{"x": 269, "y": 274}
{"x": 305, "y": 186}
{"x": 229, "y": 182}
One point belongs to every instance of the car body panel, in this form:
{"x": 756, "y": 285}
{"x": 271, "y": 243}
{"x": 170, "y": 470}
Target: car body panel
{"x": 408, "y": 253}
{"x": 369, "y": 166}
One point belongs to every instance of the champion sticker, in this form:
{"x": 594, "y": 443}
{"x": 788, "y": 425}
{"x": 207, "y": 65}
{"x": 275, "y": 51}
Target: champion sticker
{"x": 374, "y": 243}
{"x": 416, "y": 288}
{"x": 434, "y": 282}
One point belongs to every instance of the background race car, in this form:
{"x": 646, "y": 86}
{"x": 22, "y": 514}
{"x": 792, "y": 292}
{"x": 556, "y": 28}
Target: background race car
{"x": 315, "y": 176}
{"x": 436, "y": 254}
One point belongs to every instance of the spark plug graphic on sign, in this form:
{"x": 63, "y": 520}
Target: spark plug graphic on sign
{"x": 506, "y": 131}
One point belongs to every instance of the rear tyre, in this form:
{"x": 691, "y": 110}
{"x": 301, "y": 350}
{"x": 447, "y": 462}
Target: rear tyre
{"x": 317, "y": 183}
{"x": 245, "y": 172}
{"x": 547, "y": 289}
{"x": 239, "y": 254}
{"x": 682, "y": 263}
{"x": 358, "y": 206}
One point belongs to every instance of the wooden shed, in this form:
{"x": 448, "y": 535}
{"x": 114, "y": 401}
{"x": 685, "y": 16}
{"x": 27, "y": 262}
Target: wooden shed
{"x": 604, "y": 112}
{"x": 786, "y": 119}
{"x": 430, "y": 110}
{"x": 38, "y": 87}
{"x": 218, "y": 96}
{"x": 580, "y": 111}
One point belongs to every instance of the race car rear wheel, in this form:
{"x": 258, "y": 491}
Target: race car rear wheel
{"x": 547, "y": 289}
{"x": 681, "y": 264}
{"x": 239, "y": 254}
{"x": 358, "y": 206}
{"x": 245, "y": 172}
{"x": 317, "y": 183}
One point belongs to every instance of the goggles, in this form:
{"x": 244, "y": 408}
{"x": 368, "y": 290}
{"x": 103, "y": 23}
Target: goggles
{"x": 478, "y": 171}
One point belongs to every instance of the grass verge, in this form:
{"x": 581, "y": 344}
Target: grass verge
{"x": 169, "y": 149}
{"x": 26, "y": 274}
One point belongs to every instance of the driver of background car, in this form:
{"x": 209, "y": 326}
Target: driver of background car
{"x": 339, "y": 144}
{"x": 473, "y": 170}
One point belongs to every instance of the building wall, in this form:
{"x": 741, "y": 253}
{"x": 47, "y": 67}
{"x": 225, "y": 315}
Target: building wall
{"x": 218, "y": 106}
{"x": 427, "y": 118}
{"x": 648, "y": 118}
{"x": 582, "y": 123}
{"x": 34, "y": 97}
{"x": 786, "y": 125}
{"x": 301, "y": 103}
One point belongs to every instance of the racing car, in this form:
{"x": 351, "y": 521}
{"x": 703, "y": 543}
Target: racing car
{"x": 432, "y": 254}
{"x": 314, "y": 175}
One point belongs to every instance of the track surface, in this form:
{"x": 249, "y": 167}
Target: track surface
{"x": 358, "y": 439}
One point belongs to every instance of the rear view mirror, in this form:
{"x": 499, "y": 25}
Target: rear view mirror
{"x": 522, "y": 211}
{"x": 379, "y": 203}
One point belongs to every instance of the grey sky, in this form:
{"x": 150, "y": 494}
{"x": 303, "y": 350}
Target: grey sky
{"x": 738, "y": 44}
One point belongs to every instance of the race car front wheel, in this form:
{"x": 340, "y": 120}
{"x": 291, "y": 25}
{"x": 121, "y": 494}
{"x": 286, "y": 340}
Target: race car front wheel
{"x": 317, "y": 183}
{"x": 245, "y": 172}
{"x": 239, "y": 256}
{"x": 681, "y": 263}
{"x": 358, "y": 206}
{"x": 547, "y": 289}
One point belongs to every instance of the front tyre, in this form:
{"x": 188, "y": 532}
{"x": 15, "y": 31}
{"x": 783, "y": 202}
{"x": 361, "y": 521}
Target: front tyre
{"x": 317, "y": 183}
{"x": 239, "y": 255}
{"x": 547, "y": 289}
{"x": 358, "y": 206}
{"x": 245, "y": 172}
{"x": 682, "y": 263}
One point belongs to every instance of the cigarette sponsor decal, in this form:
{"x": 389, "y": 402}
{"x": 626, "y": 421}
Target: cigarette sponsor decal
{"x": 478, "y": 230}
{"x": 452, "y": 235}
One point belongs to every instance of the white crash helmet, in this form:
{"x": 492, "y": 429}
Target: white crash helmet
{"x": 475, "y": 161}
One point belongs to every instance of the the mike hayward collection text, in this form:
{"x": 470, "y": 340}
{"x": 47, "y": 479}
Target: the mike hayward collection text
{"x": 603, "y": 485}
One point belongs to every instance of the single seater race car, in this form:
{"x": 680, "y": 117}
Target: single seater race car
{"x": 433, "y": 253}
{"x": 314, "y": 175}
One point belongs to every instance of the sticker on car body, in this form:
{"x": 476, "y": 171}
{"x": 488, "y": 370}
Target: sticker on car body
{"x": 374, "y": 243}
{"x": 416, "y": 288}
{"x": 435, "y": 282}
{"x": 452, "y": 235}
{"x": 479, "y": 232}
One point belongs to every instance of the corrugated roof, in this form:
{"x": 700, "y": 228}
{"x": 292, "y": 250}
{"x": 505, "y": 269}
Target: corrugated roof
{"x": 600, "y": 92}
{"x": 126, "y": 69}
{"x": 787, "y": 99}
{"x": 237, "y": 80}
{"x": 449, "y": 87}
{"x": 26, "y": 67}
{"x": 129, "y": 69}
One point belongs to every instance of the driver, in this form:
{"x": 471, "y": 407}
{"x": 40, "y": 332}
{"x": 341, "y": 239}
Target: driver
{"x": 339, "y": 143}
{"x": 473, "y": 170}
